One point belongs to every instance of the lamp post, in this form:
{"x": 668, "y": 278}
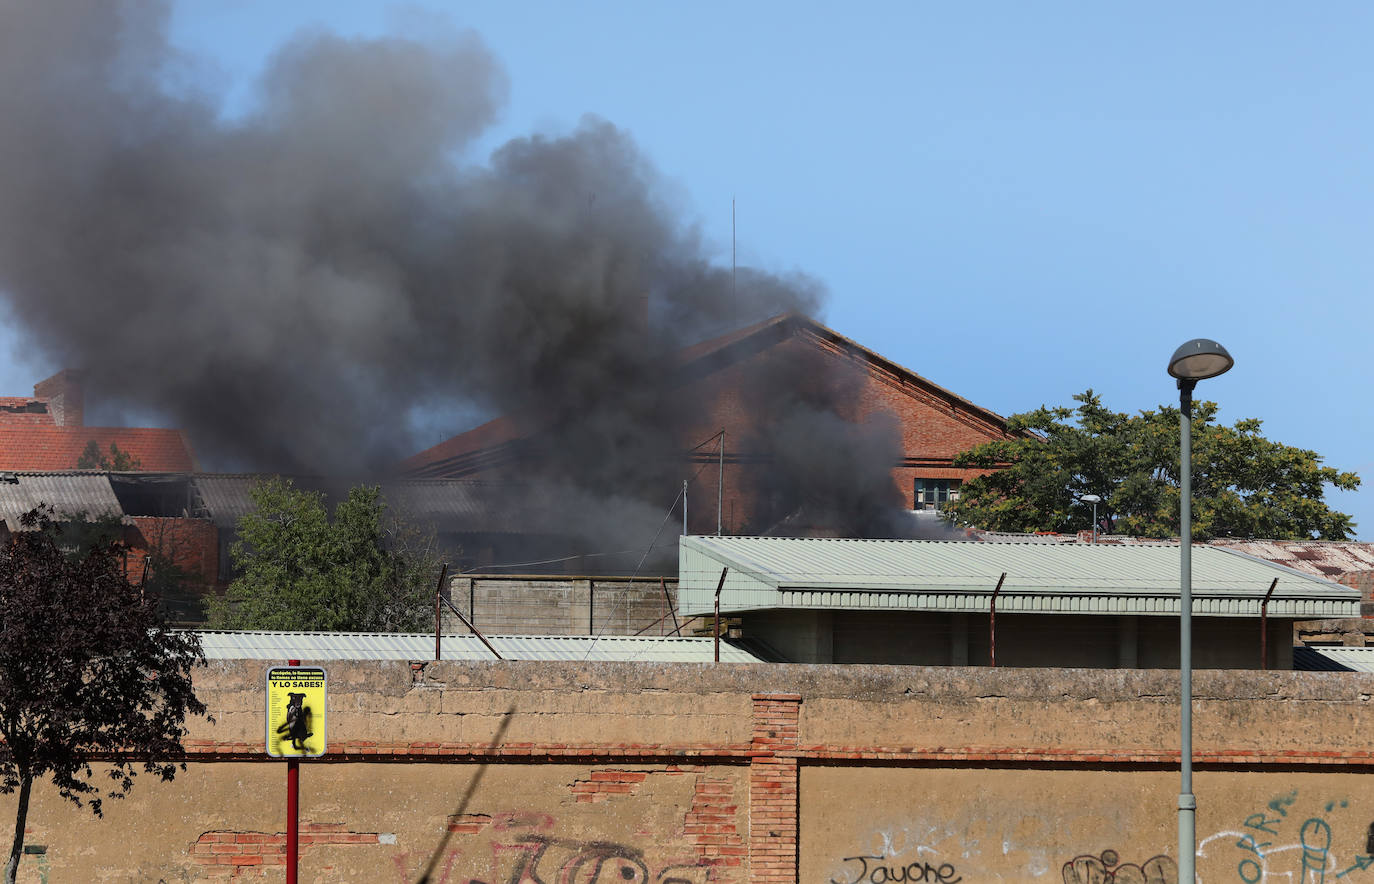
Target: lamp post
{"x": 1094, "y": 500}
{"x": 1196, "y": 360}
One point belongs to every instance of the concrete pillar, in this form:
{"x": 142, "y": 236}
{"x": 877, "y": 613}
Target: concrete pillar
{"x": 582, "y": 611}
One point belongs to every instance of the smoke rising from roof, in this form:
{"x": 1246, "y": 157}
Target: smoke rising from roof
{"x": 298, "y": 286}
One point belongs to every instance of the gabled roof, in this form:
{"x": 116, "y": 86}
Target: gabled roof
{"x": 927, "y": 575}
{"x": 729, "y": 348}
{"x": 40, "y": 447}
{"x": 493, "y": 442}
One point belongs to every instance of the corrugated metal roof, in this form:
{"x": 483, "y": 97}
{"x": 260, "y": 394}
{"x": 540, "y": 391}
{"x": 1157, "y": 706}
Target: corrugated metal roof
{"x": 225, "y": 495}
{"x": 68, "y": 493}
{"x": 1326, "y": 658}
{"x": 1331, "y": 559}
{"x": 774, "y": 572}
{"x": 1322, "y": 558}
{"x": 454, "y": 505}
{"x": 315, "y": 646}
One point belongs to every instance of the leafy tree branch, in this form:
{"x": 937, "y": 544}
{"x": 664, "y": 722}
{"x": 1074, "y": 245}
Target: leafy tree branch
{"x": 1244, "y": 485}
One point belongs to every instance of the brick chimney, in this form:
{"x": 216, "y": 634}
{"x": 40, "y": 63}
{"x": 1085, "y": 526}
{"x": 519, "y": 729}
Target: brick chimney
{"x": 66, "y": 399}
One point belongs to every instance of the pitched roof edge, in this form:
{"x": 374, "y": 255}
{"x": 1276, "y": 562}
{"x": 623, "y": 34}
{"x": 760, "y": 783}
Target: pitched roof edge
{"x": 897, "y": 368}
{"x": 805, "y": 324}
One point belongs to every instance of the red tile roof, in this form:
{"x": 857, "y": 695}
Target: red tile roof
{"x": 26, "y": 446}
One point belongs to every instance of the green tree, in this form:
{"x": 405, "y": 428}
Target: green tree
{"x": 302, "y": 571}
{"x": 88, "y": 669}
{"x": 1244, "y": 485}
{"x": 118, "y": 460}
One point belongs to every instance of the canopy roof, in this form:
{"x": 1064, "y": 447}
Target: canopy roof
{"x": 929, "y": 575}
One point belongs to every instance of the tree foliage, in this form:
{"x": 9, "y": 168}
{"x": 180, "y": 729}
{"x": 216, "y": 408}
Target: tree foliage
{"x": 1244, "y": 485}
{"x": 363, "y": 571}
{"x": 118, "y": 460}
{"x": 89, "y": 672}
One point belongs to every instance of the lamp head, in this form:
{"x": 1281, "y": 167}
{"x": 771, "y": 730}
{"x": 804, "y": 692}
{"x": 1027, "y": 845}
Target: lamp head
{"x": 1200, "y": 359}
{"x": 1090, "y": 498}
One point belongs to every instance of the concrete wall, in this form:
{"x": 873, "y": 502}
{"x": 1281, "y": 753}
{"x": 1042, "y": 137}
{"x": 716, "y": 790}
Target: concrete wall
{"x": 538, "y": 605}
{"x": 524, "y": 773}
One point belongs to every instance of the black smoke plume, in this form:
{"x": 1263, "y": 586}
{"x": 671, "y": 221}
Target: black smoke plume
{"x": 323, "y": 283}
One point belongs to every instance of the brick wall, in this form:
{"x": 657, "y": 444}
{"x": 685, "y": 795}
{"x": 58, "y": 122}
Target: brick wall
{"x": 191, "y": 544}
{"x": 742, "y": 397}
{"x": 65, "y": 393}
{"x": 933, "y": 426}
{"x": 597, "y": 773}
{"x": 1364, "y": 582}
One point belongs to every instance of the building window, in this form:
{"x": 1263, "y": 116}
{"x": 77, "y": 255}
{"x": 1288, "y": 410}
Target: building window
{"x": 933, "y": 494}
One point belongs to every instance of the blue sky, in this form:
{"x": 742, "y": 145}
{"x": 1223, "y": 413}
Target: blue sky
{"x": 1018, "y": 201}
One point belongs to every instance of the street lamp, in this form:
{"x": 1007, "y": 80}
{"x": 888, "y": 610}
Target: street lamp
{"x": 1094, "y": 500}
{"x": 1196, "y": 360}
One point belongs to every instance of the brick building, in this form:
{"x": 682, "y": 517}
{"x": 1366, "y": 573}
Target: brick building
{"x": 47, "y": 431}
{"x": 730, "y": 380}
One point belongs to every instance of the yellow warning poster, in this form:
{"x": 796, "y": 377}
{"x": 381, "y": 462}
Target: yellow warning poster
{"x": 296, "y": 711}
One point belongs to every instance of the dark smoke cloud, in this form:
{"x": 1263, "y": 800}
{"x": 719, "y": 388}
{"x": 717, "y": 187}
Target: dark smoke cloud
{"x": 304, "y": 286}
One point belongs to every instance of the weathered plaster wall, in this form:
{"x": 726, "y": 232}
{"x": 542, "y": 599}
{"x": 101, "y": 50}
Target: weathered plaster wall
{"x": 941, "y": 825}
{"x": 537, "y": 773}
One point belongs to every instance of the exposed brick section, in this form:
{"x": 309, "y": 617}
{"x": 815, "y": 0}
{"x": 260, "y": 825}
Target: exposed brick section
{"x": 710, "y": 824}
{"x": 251, "y": 854}
{"x": 602, "y": 784}
{"x": 468, "y": 823}
{"x": 23, "y": 410}
{"x": 429, "y": 751}
{"x": 773, "y": 789}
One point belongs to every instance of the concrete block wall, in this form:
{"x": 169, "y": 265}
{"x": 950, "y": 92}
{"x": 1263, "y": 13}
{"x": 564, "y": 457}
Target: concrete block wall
{"x": 524, "y": 605}
{"x": 598, "y": 773}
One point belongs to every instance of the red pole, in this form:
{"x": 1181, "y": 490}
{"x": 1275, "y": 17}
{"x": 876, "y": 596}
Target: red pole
{"x": 293, "y": 832}
{"x": 293, "y": 807}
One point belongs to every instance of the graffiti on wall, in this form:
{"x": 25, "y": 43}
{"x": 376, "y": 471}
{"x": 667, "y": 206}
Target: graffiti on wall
{"x": 545, "y": 860}
{"x": 871, "y": 869}
{"x": 1107, "y": 868}
{"x": 1282, "y": 840}
{"x": 518, "y": 856}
